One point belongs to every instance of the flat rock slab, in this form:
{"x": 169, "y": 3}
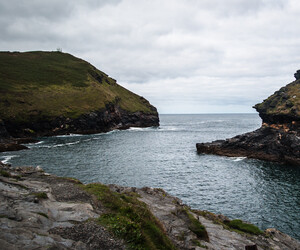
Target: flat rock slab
{"x": 41, "y": 211}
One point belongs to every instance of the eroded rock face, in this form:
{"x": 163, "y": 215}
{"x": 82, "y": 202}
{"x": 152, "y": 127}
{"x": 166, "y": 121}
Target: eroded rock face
{"x": 113, "y": 117}
{"x": 266, "y": 143}
{"x": 278, "y": 138}
{"x": 42, "y": 211}
{"x": 297, "y": 75}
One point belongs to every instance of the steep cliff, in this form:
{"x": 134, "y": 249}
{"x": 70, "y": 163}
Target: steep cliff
{"x": 50, "y": 93}
{"x": 283, "y": 107}
{"x": 277, "y": 140}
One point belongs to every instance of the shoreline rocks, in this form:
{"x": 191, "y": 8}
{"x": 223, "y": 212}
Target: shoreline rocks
{"x": 40, "y": 210}
{"x": 265, "y": 143}
{"x": 277, "y": 140}
{"x": 113, "y": 117}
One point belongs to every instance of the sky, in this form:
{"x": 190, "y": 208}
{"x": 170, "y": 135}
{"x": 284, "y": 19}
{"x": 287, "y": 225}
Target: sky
{"x": 184, "y": 56}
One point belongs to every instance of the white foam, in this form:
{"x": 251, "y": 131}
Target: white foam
{"x": 35, "y": 144}
{"x": 40, "y": 142}
{"x": 65, "y": 144}
{"x": 70, "y": 135}
{"x": 238, "y": 158}
{"x": 7, "y": 158}
{"x": 59, "y": 145}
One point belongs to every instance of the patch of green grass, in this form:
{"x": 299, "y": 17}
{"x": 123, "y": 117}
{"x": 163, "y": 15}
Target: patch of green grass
{"x": 244, "y": 227}
{"x": 4, "y": 173}
{"x": 130, "y": 219}
{"x": 285, "y": 101}
{"x": 234, "y": 225}
{"x": 41, "y": 195}
{"x": 196, "y": 227}
{"x": 43, "y": 214}
{"x": 197, "y": 243}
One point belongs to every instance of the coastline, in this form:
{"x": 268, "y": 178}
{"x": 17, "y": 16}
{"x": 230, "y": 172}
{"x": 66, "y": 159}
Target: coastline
{"x": 44, "y": 209}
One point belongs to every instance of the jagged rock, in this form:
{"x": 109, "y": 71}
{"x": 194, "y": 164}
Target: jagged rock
{"x": 279, "y": 137}
{"x": 297, "y": 75}
{"x": 3, "y": 132}
{"x": 66, "y": 219}
{"x": 11, "y": 147}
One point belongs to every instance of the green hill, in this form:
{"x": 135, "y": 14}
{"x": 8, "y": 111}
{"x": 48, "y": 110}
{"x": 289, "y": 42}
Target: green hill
{"x": 55, "y": 93}
{"x": 52, "y": 84}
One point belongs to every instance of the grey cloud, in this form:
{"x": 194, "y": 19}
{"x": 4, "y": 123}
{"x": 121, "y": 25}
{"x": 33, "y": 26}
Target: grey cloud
{"x": 214, "y": 53}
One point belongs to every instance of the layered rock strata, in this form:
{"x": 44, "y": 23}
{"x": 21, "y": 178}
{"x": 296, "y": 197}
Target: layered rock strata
{"x": 277, "y": 140}
{"x": 43, "y": 211}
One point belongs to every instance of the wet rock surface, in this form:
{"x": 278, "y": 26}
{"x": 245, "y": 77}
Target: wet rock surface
{"x": 266, "y": 143}
{"x": 42, "y": 211}
{"x": 112, "y": 117}
{"x": 13, "y": 135}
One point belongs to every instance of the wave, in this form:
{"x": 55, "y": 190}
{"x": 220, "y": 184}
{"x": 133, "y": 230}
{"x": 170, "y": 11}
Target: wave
{"x": 141, "y": 129}
{"x": 7, "y": 158}
{"x": 69, "y": 135}
{"x": 59, "y": 145}
{"x": 34, "y": 144}
{"x": 238, "y": 158}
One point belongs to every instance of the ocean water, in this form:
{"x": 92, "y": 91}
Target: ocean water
{"x": 265, "y": 194}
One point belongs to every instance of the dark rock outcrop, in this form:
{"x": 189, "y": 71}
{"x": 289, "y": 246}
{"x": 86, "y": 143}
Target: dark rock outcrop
{"x": 265, "y": 143}
{"x": 3, "y": 132}
{"x": 297, "y": 75}
{"x": 277, "y": 140}
{"x": 112, "y": 117}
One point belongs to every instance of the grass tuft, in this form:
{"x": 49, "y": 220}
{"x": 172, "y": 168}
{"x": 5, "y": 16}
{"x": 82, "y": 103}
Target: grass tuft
{"x": 130, "y": 219}
{"x": 43, "y": 214}
{"x": 41, "y": 195}
{"x": 196, "y": 227}
{"x": 4, "y": 173}
{"x": 197, "y": 243}
{"x": 244, "y": 227}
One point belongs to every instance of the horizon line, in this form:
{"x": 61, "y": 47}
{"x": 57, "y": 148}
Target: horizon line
{"x": 213, "y": 113}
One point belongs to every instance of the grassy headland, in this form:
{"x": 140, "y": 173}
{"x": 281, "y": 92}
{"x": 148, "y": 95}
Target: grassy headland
{"x": 42, "y": 85}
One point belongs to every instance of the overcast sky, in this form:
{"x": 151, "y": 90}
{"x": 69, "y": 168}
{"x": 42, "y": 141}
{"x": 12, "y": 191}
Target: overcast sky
{"x": 184, "y": 56}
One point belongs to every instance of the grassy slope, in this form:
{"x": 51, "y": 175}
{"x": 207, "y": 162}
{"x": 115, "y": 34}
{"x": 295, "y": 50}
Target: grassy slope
{"x": 50, "y": 84}
{"x": 286, "y": 101}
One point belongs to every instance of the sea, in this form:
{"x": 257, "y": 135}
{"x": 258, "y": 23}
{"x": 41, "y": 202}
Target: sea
{"x": 263, "y": 193}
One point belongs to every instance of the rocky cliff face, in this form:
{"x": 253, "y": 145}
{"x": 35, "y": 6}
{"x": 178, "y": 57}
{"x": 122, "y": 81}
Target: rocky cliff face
{"x": 283, "y": 107}
{"x": 52, "y": 93}
{"x": 112, "y": 117}
{"x": 279, "y": 137}
{"x": 43, "y": 211}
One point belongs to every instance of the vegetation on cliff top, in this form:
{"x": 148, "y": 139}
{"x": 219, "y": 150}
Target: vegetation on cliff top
{"x": 284, "y": 102}
{"x": 130, "y": 219}
{"x": 51, "y": 84}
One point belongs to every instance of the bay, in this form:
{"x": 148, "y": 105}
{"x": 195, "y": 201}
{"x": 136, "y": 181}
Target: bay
{"x": 266, "y": 194}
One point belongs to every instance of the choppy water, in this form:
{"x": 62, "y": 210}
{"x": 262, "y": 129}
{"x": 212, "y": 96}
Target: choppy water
{"x": 265, "y": 194}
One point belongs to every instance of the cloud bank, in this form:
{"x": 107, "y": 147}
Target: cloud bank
{"x": 184, "y": 56}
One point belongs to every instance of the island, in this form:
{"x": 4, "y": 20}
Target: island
{"x": 277, "y": 140}
{"x": 55, "y": 93}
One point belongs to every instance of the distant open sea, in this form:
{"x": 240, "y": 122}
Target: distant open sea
{"x": 265, "y": 194}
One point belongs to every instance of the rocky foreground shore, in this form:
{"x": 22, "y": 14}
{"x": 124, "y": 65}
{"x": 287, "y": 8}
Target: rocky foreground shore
{"x": 277, "y": 140}
{"x": 43, "y": 211}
